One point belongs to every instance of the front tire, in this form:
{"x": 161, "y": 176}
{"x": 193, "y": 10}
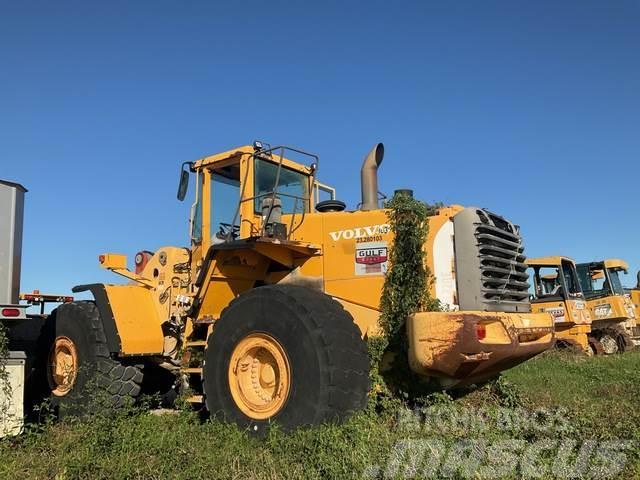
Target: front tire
{"x": 81, "y": 376}
{"x": 285, "y": 354}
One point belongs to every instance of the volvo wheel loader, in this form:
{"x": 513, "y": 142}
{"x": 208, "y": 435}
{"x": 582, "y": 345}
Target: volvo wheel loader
{"x": 266, "y": 314}
{"x": 557, "y": 291}
{"x": 613, "y": 315}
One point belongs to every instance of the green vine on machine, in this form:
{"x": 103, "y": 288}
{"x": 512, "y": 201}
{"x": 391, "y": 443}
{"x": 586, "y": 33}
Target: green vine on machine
{"x": 406, "y": 288}
{"x": 408, "y": 280}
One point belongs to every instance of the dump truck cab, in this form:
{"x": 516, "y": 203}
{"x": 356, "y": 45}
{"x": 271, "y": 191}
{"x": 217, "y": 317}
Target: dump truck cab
{"x": 612, "y": 311}
{"x": 281, "y": 285}
{"x": 556, "y": 290}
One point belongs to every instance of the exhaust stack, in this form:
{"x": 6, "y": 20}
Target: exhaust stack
{"x": 369, "y": 177}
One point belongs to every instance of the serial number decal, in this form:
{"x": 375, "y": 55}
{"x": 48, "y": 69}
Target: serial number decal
{"x": 371, "y": 258}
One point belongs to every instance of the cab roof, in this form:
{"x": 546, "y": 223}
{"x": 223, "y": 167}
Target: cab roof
{"x": 610, "y": 263}
{"x": 249, "y": 150}
{"x": 616, "y": 264}
{"x": 547, "y": 261}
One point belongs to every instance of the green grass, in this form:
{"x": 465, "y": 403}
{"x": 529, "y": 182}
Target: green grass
{"x": 607, "y": 388}
{"x": 597, "y": 398}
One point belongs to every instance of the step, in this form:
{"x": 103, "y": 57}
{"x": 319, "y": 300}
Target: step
{"x": 196, "y": 399}
{"x": 205, "y": 321}
{"x": 192, "y": 370}
{"x": 195, "y": 343}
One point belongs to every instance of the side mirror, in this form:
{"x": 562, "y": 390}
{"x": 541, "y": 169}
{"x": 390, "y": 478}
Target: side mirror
{"x": 184, "y": 182}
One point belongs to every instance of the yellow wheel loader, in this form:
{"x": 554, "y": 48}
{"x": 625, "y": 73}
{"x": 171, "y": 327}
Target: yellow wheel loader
{"x": 613, "y": 317}
{"x": 556, "y": 290}
{"x": 266, "y": 314}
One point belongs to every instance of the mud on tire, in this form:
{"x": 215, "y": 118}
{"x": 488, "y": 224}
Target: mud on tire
{"x": 328, "y": 359}
{"x": 101, "y": 382}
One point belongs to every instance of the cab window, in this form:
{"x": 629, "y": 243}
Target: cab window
{"x": 571, "y": 279}
{"x": 595, "y": 281}
{"x": 548, "y": 282}
{"x": 196, "y": 213}
{"x": 616, "y": 282}
{"x": 292, "y": 187}
{"x": 225, "y": 198}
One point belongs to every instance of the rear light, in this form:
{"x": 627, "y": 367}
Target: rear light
{"x": 101, "y": 259}
{"x": 141, "y": 260}
{"x": 10, "y": 312}
{"x": 481, "y": 331}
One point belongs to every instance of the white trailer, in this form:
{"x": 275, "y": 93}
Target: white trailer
{"x": 21, "y": 372}
{"x": 12, "y": 368}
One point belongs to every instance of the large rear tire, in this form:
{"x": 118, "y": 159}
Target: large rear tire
{"x": 285, "y": 354}
{"x": 81, "y": 376}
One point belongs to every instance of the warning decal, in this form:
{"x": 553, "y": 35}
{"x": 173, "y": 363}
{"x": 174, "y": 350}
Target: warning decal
{"x": 557, "y": 312}
{"x": 371, "y": 258}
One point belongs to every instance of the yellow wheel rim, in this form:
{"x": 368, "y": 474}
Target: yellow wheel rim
{"x": 63, "y": 366}
{"x": 259, "y": 376}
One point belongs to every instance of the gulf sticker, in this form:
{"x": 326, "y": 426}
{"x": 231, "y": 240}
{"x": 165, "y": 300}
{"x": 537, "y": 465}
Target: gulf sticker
{"x": 371, "y": 258}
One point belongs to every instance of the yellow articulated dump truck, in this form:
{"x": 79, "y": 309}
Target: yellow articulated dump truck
{"x": 266, "y": 314}
{"x": 556, "y": 290}
{"x": 613, "y": 317}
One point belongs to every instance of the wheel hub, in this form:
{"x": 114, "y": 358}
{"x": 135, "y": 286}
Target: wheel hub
{"x": 63, "y": 366}
{"x": 259, "y": 376}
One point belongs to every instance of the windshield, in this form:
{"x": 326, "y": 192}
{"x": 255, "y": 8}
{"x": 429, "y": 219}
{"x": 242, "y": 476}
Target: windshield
{"x": 548, "y": 282}
{"x": 292, "y": 187}
{"x": 597, "y": 281}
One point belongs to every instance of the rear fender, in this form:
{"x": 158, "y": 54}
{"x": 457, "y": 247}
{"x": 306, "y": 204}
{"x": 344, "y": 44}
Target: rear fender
{"x": 130, "y": 318}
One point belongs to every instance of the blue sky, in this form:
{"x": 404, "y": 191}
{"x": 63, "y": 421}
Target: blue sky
{"x": 531, "y": 109}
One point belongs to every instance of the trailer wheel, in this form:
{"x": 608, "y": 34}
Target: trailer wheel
{"x": 81, "y": 375}
{"x": 285, "y": 354}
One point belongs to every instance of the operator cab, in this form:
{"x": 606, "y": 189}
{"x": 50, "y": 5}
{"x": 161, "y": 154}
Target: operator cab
{"x": 254, "y": 191}
{"x": 554, "y": 279}
{"x": 601, "y": 279}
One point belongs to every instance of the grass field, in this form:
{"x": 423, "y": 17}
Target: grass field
{"x": 552, "y": 406}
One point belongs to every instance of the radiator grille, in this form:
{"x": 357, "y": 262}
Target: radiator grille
{"x": 501, "y": 254}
